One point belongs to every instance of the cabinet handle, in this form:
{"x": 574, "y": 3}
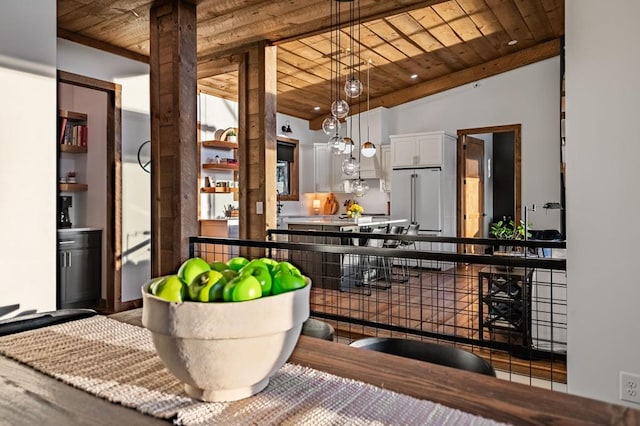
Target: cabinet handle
{"x": 65, "y": 242}
{"x": 68, "y": 260}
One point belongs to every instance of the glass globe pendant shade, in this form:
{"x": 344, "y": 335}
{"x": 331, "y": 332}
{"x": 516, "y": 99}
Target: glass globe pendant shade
{"x": 359, "y": 188}
{"x": 368, "y": 149}
{"x": 331, "y": 125}
{"x": 336, "y": 144}
{"x": 350, "y": 166}
{"x": 348, "y": 145}
{"x": 340, "y": 108}
{"x": 353, "y": 88}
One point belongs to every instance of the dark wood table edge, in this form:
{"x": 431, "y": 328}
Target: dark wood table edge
{"x": 473, "y": 393}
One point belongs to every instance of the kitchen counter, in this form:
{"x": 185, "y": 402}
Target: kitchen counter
{"x": 345, "y": 224}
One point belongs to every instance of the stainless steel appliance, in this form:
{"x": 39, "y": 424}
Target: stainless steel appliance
{"x": 65, "y": 203}
{"x": 416, "y": 195}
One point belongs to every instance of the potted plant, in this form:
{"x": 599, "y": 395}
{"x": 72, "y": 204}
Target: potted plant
{"x": 232, "y": 136}
{"x": 507, "y": 230}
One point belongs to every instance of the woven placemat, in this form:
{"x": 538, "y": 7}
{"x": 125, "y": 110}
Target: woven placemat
{"x": 117, "y": 362}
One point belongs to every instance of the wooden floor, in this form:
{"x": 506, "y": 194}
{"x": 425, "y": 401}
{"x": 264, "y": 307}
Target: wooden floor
{"x": 433, "y": 302}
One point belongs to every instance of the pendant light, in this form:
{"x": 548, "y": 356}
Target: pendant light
{"x": 353, "y": 86}
{"x": 350, "y": 166}
{"x": 359, "y": 187}
{"x": 368, "y": 148}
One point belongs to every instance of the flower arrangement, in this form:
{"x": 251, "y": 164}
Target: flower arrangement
{"x": 355, "y": 210}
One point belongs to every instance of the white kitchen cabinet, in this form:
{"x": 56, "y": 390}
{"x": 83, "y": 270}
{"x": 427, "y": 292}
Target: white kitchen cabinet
{"x": 419, "y": 149}
{"x": 385, "y": 167}
{"x": 322, "y": 168}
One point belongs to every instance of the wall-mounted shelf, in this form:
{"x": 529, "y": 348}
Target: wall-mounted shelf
{"x": 73, "y": 187}
{"x": 73, "y": 149}
{"x": 219, "y": 144}
{"x": 215, "y": 166}
{"x": 218, "y": 190}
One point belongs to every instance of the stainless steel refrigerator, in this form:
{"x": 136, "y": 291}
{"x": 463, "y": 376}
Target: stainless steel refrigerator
{"x": 416, "y": 196}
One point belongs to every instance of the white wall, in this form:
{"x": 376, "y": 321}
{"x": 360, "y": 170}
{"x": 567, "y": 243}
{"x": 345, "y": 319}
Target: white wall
{"x": 133, "y": 76}
{"x": 27, "y": 154}
{"x": 602, "y": 195}
{"x": 529, "y": 95}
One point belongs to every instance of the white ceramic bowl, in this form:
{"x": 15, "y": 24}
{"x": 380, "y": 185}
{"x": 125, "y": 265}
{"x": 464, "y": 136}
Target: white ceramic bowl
{"x": 228, "y": 350}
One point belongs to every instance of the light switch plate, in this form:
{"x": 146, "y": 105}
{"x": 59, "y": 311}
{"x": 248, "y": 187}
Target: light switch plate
{"x": 259, "y": 207}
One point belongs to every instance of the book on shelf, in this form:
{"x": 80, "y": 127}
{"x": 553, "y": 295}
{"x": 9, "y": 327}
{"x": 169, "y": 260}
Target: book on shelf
{"x": 63, "y": 128}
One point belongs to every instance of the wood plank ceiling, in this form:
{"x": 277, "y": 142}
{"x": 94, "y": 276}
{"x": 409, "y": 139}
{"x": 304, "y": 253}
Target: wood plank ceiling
{"x": 443, "y": 44}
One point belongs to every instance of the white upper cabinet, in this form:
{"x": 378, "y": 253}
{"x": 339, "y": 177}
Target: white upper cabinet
{"x": 418, "y": 149}
{"x": 322, "y": 167}
{"x": 385, "y": 167}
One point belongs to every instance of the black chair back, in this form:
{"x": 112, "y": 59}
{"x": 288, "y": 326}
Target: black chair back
{"x": 429, "y": 352}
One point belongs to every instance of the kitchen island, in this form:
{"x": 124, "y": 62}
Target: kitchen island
{"x": 327, "y": 269}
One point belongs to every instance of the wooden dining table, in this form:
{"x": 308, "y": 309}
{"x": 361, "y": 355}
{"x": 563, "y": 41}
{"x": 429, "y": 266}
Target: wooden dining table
{"x": 29, "y": 397}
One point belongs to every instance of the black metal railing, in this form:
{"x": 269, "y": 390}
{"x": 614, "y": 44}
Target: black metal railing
{"x": 511, "y": 309}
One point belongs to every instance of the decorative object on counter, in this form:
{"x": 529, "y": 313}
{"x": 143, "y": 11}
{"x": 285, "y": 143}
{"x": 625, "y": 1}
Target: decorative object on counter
{"x": 330, "y": 205}
{"x": 355, "y": 210}
{"x": 316, "y": 206}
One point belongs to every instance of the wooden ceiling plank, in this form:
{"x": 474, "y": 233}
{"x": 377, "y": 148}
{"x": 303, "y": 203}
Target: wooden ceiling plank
{"x": 533, "y": 14}
{"x": 409, "y": 29}
{"x": 441, "y": 31}
{"x": 292, "y": 22}
{"x": 510, "y": 18}
{"x": 497, "y": 66}
{"x": 488, "y": 25}
{"x": 68, "y": 6}
{"x": 213, "y": 67}
{"x": 554, "y": 9}
{"x": 466, "y": 29}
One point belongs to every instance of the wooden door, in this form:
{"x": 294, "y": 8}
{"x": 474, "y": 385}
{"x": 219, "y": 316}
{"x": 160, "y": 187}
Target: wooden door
{"x": 473, "y": 187}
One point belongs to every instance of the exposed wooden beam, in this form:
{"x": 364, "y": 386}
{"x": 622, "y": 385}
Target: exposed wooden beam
{"x": 497, "y": 66}
{"x": 101, "y": 45}
{"x": 174, "y": 148}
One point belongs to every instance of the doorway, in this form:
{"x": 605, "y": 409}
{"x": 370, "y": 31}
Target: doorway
{"x": 496, "y": 188}
{"x": 110, "y": 299}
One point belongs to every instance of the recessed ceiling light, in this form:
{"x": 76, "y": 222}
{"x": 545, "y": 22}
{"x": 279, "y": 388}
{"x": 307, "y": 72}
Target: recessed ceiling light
{"x": 316, "y": 108}
{"x": 414, "y": 76}
{"x": 512, "y": 42}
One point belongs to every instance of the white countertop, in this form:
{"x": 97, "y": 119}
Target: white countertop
{"x": 344, "y": 224}
{"x": 78, "y": 229}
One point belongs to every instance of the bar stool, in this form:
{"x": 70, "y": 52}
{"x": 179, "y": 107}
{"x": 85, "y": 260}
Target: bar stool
{"x": 369, "y": 263}
{"x": 430, "y": 352}
{"x": 394, "y": 243}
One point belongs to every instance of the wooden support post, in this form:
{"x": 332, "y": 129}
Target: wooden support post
{"x": 173, "y": 133}
{"x": 257, "y": 149}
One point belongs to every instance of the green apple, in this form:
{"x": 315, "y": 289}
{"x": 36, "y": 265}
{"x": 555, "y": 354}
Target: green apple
{"x": 218, "y": 266}
{"x": 243, "y": 287}
{"x": 229, "y": 274}
{"x": 191, "y": 268}
{"x": 287, "y": 279}
{"x": 236, "y": 263}
{"x": 154, "y": 283}
{"x": 260, "y": 271}
{"x": 271, "y": 263}
{"x": 286, "y": 266}
{"x": 172, "y": 288}
{"x": 207, "y": 287}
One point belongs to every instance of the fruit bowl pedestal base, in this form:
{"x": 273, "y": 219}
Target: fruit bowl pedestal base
{"x": 217, "y": 395}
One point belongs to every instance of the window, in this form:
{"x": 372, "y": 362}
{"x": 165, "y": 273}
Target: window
{"x": 287, "y": 169}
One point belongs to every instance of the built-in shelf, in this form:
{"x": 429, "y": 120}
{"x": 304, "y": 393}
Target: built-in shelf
{"x": 73, "y": 187}
{"x": 219, "y": 144}
{"x": 216, "y": 166}
{"x": 219, "y": 190}
{"x": 74, "y": 149}
{"x": 71, "y": 115}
